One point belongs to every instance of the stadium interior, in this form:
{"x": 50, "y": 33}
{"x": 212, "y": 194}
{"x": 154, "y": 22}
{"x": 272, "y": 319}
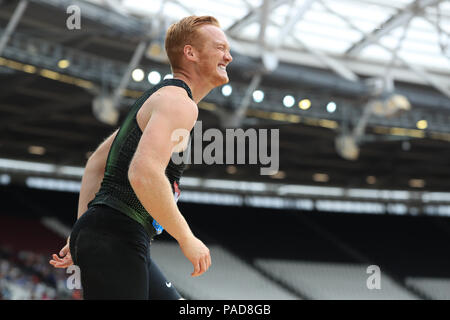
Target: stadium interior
{"x": 358, "y": 90}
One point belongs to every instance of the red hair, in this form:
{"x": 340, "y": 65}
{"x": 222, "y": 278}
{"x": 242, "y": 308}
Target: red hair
{"x": 182, "y": 33}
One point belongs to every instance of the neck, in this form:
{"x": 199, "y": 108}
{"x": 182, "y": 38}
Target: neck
{"x": 198, "y": 87}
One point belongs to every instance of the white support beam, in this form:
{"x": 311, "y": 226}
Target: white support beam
{"x": 393, "y": 22}
{"x": 335, "y": 65}
{"x": 264, "y": 20}
{"x": 237, "y": 117}
{"x": 12, "y": 24}
{"x": 270, "y": 51}
{"x": 252, "y": 16}
{"x": 248, "y": 4}
{"x": 358, "y": 131}
{"x": 158, "y": 22}
{"x": 295, "y": 17}
{"x": 431, "y": 79}
{"x": 435, "y": 23}
{"x": 338, "y": 67}
{"x": 380, "y": 3}
{"x": 440, "y": 82}
{"x": 366, "y": 67}
{"x": 137, "y": 56}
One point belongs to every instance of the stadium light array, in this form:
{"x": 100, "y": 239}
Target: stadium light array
{"x": 5, "y": 179}
{"x": 331, "y": 107}
{"x": 304, "y": 104}
{"x": 37, "y": 150}
{"x": 227, "y": 90}
{"x": 154, "y": 77}
{"x": 138, "y": 75}
{"x": 422, "y": 124}
{"x": 321, "y": 177}
{"x": 231, "y": 169}
{"x": 288, "y": 101}
{"x": 417, "y": 183}
{"x": 278, "y": 175}
{"x": 371, "y": 180}
{"x": 258, "y": 96}
{"x": 63, "y": 63}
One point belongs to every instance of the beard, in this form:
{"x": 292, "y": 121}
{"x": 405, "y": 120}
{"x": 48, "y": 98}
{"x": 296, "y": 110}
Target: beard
{"x": 211, "y": 71}
{"x": 220, "y": 77}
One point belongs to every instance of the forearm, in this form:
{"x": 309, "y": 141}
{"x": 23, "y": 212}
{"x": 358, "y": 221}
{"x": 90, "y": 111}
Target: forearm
{"x": 90, "y": 184}
{"x": 155, "y": 193}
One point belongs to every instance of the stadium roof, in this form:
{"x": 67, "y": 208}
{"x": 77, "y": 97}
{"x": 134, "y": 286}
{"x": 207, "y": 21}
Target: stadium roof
{"x": 350, "y": 37}
{"x": 53, "y": 77}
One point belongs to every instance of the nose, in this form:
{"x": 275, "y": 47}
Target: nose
{"x": 228, "y": 57}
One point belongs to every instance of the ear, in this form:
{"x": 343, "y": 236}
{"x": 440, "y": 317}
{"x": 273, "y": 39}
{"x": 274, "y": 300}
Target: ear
{"x": 190, "y": 53}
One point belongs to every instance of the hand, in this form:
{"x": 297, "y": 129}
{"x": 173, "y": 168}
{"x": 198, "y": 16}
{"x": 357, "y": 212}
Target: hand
{"x": 197, "y": 253}
{"x": 66, "y": 258}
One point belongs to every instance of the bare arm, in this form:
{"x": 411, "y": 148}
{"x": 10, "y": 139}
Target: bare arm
{"x": 90, "y": 184}
{"x": 172, "y": 111}
{"x": 93, "y": 174}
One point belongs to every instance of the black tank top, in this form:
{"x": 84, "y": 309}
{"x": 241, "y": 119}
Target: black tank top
{"x": 115, "y": 190}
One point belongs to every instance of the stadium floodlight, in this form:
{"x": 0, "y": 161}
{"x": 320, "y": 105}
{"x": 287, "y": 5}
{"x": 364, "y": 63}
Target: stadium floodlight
{"x": 258, "y": 96}
{"x": 154, "y": 77}
{"x": 37, "y": 150}
{"x": 304, "y": 104}
{"x": 5, "y": 179}
{"x": 155, "y": 51}
{"x": 422, "y": 124}
{"x": 227, "y": 90}
{"x": 347, "y": 147}
{"x": 391, "y": 106}
{"x": 288, "y": 101}
{"x": 63, "y": 64}
{"x": 104, "y": 110}
{"x": 331, "y": 107}
{"x": 270, "y": 61}
{"x": 138, "y": 75}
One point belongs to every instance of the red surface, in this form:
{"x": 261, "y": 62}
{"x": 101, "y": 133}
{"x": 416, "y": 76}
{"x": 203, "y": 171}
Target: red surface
{"x": 29, "y": 234}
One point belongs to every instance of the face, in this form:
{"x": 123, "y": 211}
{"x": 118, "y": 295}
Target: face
{"x": 214, "y": 54}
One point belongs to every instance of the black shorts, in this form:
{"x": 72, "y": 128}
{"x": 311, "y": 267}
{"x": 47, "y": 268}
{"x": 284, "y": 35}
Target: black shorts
{"x": 113, "y": 254}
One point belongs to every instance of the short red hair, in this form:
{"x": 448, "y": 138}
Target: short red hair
{"x": 182, "y": 33}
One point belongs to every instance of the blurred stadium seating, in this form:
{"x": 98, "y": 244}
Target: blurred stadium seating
{"x": 354, "y": 93}
{"x": 26, "y": 275}
{"x": 257, "y": 254}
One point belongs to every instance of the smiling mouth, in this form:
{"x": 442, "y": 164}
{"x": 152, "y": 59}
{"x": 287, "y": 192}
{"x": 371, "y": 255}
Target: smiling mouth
{"x": 223, "y": 67}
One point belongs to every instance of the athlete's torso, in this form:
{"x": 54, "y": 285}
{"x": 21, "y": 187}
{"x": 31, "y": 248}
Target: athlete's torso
{"x": 115, "y": 190}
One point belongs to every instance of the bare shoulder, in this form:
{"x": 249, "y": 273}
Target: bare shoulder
{"x": 173, "y": 99}
{"x": 165, "y": 103}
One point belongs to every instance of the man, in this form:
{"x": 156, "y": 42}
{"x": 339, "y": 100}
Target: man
{"x": 127, "y": 190}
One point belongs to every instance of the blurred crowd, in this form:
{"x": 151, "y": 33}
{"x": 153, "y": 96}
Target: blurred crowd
{"x": 26, "y": 275}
